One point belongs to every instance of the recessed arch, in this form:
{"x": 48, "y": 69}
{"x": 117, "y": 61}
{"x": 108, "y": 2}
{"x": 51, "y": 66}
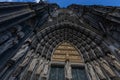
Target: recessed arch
{"x": 79, "y": 39}
{"x": 66, "y": 50}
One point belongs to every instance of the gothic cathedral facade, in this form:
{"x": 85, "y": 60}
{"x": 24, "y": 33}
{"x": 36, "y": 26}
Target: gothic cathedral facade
{"x": 41, "y": 41}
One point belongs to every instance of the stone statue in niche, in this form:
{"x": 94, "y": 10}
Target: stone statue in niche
{"x": 107, "y": 68}
{"x": 86, "y": 56}
{"x": 27, "y": 58}
{"x": 68, "y": 70}
{"x": 40, "y": 68}
{"x": 33, "y": 63}
{"x": 21, "y": 51}
{"x": 99, "y": 71}
{"x": 91, "y": 72}
{"x": 22, "y": 65}
{"x": 14, "y": 58}
{"x": 31, "y": 67}
{"x": 45, "y": 70}
{"x": 98, "y": 52}
{"x": 114, "y": 61}
{"x": 91, "y": 55}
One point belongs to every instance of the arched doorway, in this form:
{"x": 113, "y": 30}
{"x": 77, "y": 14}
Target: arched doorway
{"x": 67, "y": 63}
{"x": 91, "y": 46}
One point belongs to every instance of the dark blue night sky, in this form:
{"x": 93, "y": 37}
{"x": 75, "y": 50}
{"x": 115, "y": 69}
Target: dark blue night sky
{"x": 64, "y": 3}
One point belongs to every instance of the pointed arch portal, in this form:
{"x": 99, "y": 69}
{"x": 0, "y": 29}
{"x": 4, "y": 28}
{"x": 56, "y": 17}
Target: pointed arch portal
{"x": 89, "y": 45}
{"x": 63, "y": 52}
{"x": 71, "y": 38}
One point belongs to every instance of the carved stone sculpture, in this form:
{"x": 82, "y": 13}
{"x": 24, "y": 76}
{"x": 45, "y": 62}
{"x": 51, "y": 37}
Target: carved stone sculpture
{"x": 99, "y": 71}
{"x": 68, "y": 71}
{"x": 22, "y": 65}
{"x": 27, "y": 58}
{"x": 21, "y": 52}
{"x": 86, "y": 56}
{"x": 107, "y": 68}
{"x": 114, "y": 61}
{"x": 91, "y": 54}
{"x": 33, "y": 63}
{"x": 31, "y": 67}
{"x": 39, "y": 69}
{"x": 15, "y": 57}
{"x": 91, "y": 72}
{"x": 45, "y": 70}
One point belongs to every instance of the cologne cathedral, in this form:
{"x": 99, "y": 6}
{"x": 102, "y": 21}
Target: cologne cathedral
{"x": 41, "y": 41}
